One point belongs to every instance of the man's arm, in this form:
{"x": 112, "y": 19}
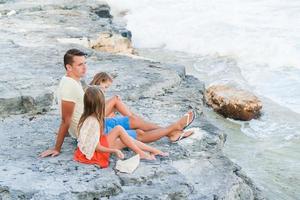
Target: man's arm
{"x": 67, "y": 109}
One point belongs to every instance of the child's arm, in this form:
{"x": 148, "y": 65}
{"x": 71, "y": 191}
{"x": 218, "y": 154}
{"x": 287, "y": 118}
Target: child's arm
{"x": 118, "y": 153}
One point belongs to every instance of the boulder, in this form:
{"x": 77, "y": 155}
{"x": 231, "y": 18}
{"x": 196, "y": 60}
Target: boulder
{"x": 233, "y": 103}
{"x": 113, "y": 43}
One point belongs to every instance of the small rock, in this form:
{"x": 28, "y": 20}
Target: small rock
{"x": 103, "y": 11}
{"x": 31, "y": 118}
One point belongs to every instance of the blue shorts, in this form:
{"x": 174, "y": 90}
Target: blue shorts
{"x": 115, "y": 121}
{"x": 110, "y": 123}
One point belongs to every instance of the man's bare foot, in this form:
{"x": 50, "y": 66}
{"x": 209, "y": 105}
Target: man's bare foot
{"x": 175, "y": 136}
{"x": 185, "y": 120}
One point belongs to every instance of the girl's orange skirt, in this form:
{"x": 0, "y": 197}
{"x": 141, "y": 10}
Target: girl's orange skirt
{"x": 99, "y": 158}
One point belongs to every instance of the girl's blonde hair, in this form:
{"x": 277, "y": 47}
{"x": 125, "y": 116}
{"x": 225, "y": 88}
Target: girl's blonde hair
{"x": 101, "y": 77}
{"x": 94, "y": 105}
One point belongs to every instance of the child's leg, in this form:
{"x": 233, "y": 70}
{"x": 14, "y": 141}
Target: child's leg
{"x": 115, "y": 103}
{"x": 150, "y": 149}
{"x": 117, "y": 135}
{"x": 137, "y": 122}
{"x": 172, "y": 131}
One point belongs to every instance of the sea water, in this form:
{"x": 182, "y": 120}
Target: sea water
{"x": 249, "y": 44}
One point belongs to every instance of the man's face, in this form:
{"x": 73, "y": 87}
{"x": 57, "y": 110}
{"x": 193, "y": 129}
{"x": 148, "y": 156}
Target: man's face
{"x": 78, "y": 68}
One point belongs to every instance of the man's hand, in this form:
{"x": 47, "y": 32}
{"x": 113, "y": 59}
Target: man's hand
{"x": 119, "y": 154}
{"x": 49, "y": 152}
{"x": 67, "y": 112}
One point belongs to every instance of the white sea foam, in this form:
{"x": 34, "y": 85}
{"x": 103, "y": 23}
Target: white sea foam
{"x": 262, "y": 36}
{"x": 263, "y": 31}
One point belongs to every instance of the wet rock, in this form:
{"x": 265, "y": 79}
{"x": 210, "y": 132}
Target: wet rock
{"x": 233, "y": 103}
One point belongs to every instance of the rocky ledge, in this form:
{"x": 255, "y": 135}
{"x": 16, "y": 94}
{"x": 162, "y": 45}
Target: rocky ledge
{"x": 31, "y": 65}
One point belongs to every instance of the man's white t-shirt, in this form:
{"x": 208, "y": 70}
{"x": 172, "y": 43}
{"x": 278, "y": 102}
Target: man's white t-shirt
{"x": 71, "y": 90}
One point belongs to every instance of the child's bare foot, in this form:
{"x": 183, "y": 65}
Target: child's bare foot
{"x": 160, "y": 153}
{"x": 147, "y": 156}
{"x": 179, "y": 135}
{"x": 184, "y": 121}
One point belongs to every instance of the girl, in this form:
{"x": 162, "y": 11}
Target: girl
{"x": 94, "y": 147}
{"x": 104, "y": 80}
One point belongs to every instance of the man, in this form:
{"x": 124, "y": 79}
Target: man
{"x": 70, "y": 94}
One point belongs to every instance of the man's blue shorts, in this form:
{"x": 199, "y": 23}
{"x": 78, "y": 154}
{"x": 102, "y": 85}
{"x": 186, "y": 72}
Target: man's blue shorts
{"x": 110, "y": 123}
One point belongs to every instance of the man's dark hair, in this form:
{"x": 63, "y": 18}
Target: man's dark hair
{"x": 68, "y": 57}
